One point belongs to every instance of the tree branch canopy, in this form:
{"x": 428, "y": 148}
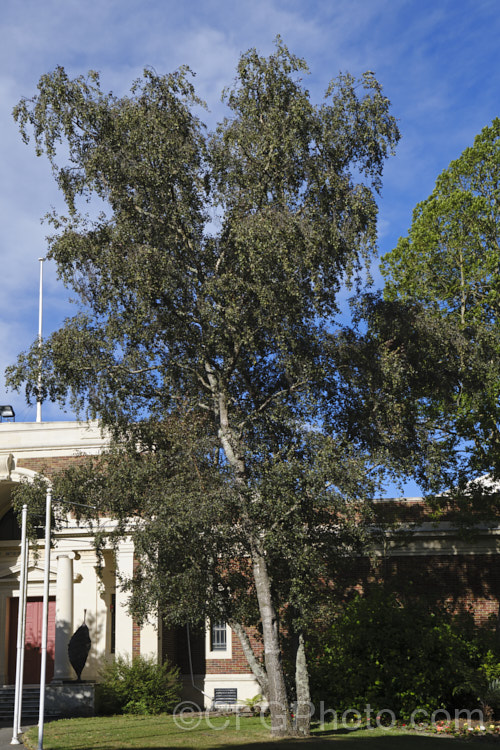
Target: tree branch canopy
{"x": 159, "y": 286}
{"x": 208, "y": 282}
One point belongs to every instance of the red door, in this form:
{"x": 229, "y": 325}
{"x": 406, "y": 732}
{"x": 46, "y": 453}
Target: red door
{"x": 33, "y": 640}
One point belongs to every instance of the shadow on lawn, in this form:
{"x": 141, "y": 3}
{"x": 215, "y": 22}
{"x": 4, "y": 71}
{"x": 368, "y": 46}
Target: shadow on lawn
{"x": 362, "y": 741}
{"x": 376, "y": 743}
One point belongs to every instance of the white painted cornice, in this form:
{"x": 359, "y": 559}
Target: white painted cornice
{"x": 440, "y": 539}
{"x": 46, "y": 439}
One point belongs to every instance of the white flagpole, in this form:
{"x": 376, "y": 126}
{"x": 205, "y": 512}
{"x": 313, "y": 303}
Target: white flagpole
{"x": 45, "y": 623}
{"x": 23, "y": 638}
{"x": 40, "y": 301}
{"x": 21, "y": 621}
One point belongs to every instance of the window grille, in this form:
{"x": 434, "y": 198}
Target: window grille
{"x": 218, "y": 636}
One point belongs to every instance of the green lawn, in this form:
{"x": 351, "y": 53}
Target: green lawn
{"x": 144, "y": 732}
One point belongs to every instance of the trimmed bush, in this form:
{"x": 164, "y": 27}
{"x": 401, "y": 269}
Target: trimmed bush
{"x": 394, "y": 656}
{"x": 140, "y": 686}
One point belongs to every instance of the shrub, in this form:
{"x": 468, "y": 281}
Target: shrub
{"x": 490, "y": 672}
{"x": 140, "y": 686}
{"x": 490, "y": 666}
{"x": 396, "y": 657}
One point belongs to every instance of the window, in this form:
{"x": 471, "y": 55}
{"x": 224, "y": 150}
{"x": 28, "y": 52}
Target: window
{"x": 218, "y": 640}
{"x": 218, "y": 636}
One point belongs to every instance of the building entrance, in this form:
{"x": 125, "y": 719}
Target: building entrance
{"x": 33, "y": 640}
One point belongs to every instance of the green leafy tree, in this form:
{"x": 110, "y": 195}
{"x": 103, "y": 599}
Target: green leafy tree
{"x": 400, "y": 370}
{"x": 450, "y": 265}
{"x": 208, "y": 286}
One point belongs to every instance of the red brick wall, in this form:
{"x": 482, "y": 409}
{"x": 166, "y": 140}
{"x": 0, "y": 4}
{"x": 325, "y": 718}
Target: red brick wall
{"x": 238, "y": 663}
{"x": 49, "y": 465}
{"x": 136, "y": 640}
{"x": 175, "y": 649}
{"x": 468, "y": 583}
{"x": 465, "y": 582}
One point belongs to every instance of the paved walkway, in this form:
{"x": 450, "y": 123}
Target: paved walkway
{"x": 6, "y": 736}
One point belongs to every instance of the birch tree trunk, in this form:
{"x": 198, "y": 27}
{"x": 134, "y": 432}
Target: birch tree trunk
{"x": 281, "y": 725}
{"x": 276, "y": 689}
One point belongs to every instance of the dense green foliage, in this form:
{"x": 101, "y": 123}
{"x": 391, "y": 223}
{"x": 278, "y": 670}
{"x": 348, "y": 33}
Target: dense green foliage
{"x": 450, "y": 259}
{"x": 400, "y": 367}
{"x": 139, "y": 686}
{"x": 401, "y": 655}
{"x": 449, "y": 264}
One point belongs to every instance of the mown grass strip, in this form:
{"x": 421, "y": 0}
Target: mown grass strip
{"x": 212, "y": 733}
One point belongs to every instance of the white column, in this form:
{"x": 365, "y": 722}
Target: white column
{"x": 87, "y": 599}
{"x": 150, "y": 638}
{"x": 64, "y": 616}
{"x": 123, "y": 621}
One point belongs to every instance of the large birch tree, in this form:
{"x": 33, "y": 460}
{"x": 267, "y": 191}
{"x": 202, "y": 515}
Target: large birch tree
{"x": 208, "y": 279}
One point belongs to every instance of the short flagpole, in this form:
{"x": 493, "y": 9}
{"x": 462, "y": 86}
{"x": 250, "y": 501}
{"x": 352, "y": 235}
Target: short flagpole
{"x": 23, "y": 639}
{"x": 18, "y": 696}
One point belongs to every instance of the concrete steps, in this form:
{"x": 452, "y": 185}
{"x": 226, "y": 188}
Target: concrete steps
{"x": 30, "y": 706}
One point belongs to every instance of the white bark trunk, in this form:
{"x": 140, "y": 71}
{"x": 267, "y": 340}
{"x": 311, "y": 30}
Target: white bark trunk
{"x": 276, "y": 688}
{"x": 258, "y": 670}
{"x": 303, "y": 718}
{"x": 278, "y": 701}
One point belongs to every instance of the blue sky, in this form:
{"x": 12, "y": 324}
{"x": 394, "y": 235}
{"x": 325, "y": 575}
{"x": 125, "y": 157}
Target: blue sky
{"x": 438, "y": 61}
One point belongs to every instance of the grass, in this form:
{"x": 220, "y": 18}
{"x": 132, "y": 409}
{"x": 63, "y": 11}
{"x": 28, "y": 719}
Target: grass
{"x": 161, "y": 732}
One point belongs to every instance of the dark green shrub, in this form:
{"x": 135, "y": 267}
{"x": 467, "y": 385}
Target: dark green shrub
{"x": 396, "y": 657}
{"x": 140, "y": 686}
{"x": 485, "y": 684}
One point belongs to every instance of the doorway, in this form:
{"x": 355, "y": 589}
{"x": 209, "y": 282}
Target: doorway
{"x": 33, "y": 640}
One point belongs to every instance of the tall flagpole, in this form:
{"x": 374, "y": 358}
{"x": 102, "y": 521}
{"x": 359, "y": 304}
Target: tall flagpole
{"x": 40, "y": 300}
{"x": 45, "y": 618}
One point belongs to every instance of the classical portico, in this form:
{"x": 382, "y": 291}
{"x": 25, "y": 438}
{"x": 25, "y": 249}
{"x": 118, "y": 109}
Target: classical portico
{"x": 25, "y": 450}
{"x": 81, "y": 587}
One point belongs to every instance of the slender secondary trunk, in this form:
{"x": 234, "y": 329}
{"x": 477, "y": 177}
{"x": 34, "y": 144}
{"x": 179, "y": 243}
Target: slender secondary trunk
{"x": 258, "y": 670}
{"x": 303, "y": 715}
{"x": 281, "y": 725}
